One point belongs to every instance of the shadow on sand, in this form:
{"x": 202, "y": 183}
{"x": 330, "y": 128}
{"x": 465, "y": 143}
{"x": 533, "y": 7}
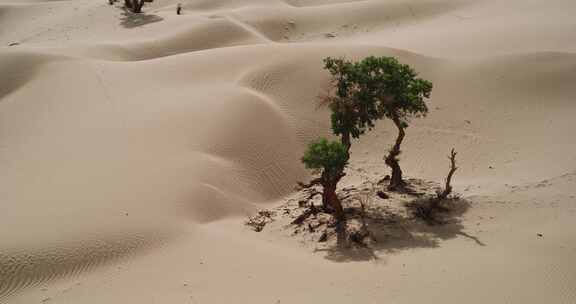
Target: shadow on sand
{"x": 391, "y": 232}
{"x": 132, "y": 20}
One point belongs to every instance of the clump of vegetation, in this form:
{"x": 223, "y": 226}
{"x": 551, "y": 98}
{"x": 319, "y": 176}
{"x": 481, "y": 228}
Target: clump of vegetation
{"x": 364, "y": 92}
{"x": 372, "y": 89}
{"x": 330, "y": 158}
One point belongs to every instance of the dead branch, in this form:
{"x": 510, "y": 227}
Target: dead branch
{"x": 448, "y": 187}
{"x": 315, "y": 182}
{"x": 312, "y": 183}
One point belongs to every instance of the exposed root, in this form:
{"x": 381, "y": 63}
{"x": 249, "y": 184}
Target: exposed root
{"x": 437, "y": 212}
{"x": 374, "y": 220}
{"x": 307, "y": 213}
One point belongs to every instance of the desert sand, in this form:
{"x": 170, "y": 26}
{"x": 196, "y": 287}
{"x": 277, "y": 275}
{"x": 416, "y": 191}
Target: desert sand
{"x": 132, "y": 149}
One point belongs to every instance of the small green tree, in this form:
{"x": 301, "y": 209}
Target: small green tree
{"x": 372, "y": 89}
{"x": 401, "y": 96}
{"x": 330, "y": 157}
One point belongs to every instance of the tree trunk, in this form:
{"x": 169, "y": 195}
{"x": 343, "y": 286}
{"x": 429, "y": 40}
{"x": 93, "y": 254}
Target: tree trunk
{"x": 331, "y": 201}
{"x": 326, "y": 200}
{"x": 346, "y": 142}
{"x": 138, "y": 6}
{"x": 396, "y": 181}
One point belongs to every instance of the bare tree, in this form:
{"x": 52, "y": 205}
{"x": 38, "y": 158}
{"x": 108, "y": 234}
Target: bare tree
{"x": 448, "y": 187}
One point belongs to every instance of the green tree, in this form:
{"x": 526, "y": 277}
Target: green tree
{"x": 372, "y": 89}
{"x": 401, "y": 95}
{"x": 329, "y": 157}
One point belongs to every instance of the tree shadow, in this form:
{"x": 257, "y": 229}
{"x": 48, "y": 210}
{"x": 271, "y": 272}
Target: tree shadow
{"x": 391, "y": 232}
{"x": 132, "y": 20}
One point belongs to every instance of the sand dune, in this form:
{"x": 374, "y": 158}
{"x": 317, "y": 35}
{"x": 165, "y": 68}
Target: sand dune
{"x": 133, "y": 148}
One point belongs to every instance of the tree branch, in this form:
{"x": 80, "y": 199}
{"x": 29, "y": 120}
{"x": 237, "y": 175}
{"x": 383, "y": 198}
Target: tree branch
{"x": 312, "y": 183}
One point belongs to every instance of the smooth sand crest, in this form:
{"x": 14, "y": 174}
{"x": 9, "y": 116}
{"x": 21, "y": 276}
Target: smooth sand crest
{"x": 132, "y": 148}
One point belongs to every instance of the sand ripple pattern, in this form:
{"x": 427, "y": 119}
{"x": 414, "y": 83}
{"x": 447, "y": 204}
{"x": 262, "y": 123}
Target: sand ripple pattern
{"x": 25, "y": 269}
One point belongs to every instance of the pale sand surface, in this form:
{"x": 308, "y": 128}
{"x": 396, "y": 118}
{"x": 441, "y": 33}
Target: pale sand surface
{"x": 131, "y": 151}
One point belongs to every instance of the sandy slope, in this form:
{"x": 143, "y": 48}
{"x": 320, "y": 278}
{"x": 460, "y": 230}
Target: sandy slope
{"x": 131, "y": 150}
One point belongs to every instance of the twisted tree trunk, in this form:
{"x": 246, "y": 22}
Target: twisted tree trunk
{"x": 330, "y": 201}
{"x": 396, "y": 181}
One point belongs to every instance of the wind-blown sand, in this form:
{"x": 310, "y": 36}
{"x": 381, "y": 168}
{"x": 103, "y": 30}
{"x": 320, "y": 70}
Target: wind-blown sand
{"x": 132, "y": 149}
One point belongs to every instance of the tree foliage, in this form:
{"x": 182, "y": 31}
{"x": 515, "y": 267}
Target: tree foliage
{"x": 329, "y": 157}
{"x": 373, "y": 88}
{"x": 352, "y": 114}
